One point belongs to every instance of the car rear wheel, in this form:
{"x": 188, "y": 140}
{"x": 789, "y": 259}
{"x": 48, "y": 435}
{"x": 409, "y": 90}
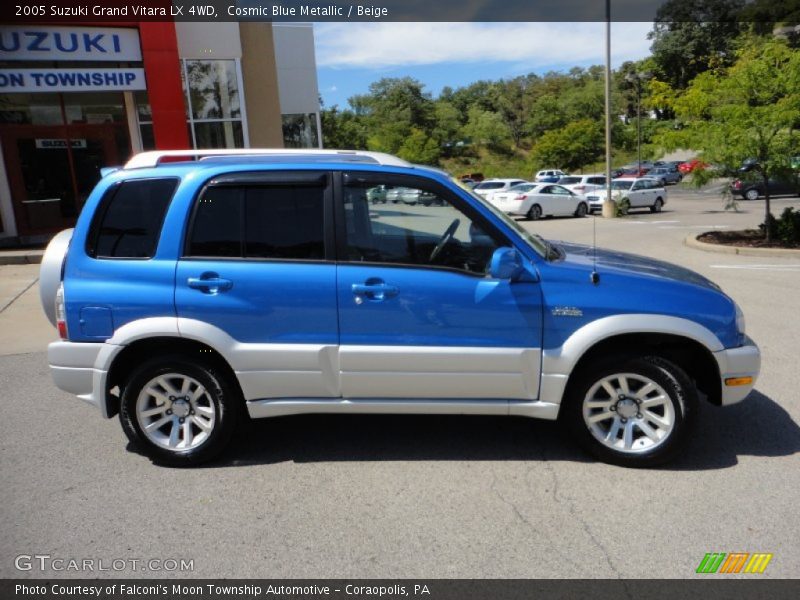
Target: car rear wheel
{"x": 581, "y": 210}
{"x": 633, "y": 412}
{"x": 751, "y": 194}
{"x": 657, "y": 205}
{"x": 535, "y": 212}
{"x": 179, "y": 412}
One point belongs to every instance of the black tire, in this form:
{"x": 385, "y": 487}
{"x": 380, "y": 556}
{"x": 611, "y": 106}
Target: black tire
{"x": 535, "y": 212}
{"x": 751, "y": 194}
{"x": 224, "y": 395}
{"x": 581, "y": 210}
{"x": 657, "y": 205}
{"x": 681, "y": 396}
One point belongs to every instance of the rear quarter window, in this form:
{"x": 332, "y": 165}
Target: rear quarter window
{"x": 128, "y": 220}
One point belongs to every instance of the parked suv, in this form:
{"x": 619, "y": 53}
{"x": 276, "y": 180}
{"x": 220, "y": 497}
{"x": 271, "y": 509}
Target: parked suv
{"x": 753, "y": 190}
{"x": 583, "y": 184}
{"x": 549, "y": 176}
{"x": 199, "y": 287}
{"x": 640, "y": 192}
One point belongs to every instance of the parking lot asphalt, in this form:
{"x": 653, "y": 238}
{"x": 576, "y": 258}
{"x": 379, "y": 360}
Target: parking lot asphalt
{"x": 419, "y": 497}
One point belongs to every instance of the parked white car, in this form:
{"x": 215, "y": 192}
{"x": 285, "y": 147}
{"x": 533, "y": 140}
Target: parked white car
{"x": 641, "y": 192}
{"x": 583, "y": 184}
{"x": 488, "y": 187}
{"x": 549, "y": 176}
{"x": 537, "y": 200}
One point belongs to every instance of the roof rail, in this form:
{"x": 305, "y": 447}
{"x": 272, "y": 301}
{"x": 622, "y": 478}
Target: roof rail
{"x": 154, "y": 158}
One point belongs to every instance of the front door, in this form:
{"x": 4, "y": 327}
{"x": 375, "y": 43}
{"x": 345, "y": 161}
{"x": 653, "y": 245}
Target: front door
{"x": 419, "y": 316}
{"x": 257, "y": 277}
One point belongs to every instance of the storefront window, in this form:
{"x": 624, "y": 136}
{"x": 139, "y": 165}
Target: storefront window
{"x": 95, "y": 108}
{"x": 300, "y": 131}
{"x": 214, "y": 113}
{"x": 144, "y": 116}
{"x": 31, "y": 109}
{"x": 213, "y": 90}
{"x": 220, "y": 134}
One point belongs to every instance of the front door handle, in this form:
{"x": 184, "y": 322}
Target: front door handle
{"x": 375, "y": 290}
{"x": 209, "y": 283}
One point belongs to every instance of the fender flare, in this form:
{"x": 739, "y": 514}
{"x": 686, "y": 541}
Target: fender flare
{"x": 559, "y": 363}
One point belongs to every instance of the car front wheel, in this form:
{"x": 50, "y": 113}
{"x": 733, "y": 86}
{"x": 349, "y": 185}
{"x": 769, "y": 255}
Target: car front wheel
{"x": 581, "y": 210}
{"x": 751, "y": 194}
{"x": 634, "y": 412}
{"x": 179, "y": 412}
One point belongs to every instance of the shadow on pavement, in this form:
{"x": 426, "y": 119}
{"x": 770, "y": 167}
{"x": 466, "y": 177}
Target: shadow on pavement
{"x": 756, "y": 427}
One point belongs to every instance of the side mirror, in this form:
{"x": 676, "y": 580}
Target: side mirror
{"x": 506, "y": 263}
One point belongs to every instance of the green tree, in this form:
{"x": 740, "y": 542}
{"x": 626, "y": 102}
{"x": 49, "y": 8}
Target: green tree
{"x": 748, "y": 111}
{"x": 571, "y": 147}
{"x": 487, "y": 128}
{"x": 343, "y": 129}
{"x": 692, "y": 36}
{"x": 420, "y": 148}
{"x": 392, "y": 110}
{"x": 448, "y": 123}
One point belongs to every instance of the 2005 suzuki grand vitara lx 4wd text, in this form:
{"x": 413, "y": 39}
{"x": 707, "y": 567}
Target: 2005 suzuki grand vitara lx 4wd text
{"x": 200, "y": 287}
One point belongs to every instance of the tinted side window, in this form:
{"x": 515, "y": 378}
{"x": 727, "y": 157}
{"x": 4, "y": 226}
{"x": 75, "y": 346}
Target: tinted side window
{"x": 129, "y": 218}
{"x": 217, "y": 228}
{"x": 285, "y": 222}
{"x": 272, "y": 221}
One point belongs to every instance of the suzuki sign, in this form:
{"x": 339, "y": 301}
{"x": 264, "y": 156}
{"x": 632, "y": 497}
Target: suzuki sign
{"x": 32, "y": 42}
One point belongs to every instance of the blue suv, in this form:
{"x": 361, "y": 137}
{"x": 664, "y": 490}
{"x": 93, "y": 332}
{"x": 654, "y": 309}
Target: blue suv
{"x": 202, "y": 287}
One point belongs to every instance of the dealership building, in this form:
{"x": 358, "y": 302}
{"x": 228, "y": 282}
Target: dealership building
{"x": 75, "y": 99}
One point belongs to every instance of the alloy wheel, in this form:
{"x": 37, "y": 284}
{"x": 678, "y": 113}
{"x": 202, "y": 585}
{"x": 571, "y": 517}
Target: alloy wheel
{"x": 175, "y": 412}
{"x": 629, "y": 413}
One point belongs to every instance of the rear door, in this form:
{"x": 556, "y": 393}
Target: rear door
{"x": 419, "y": 317}
{"x": 257, "y": 275}
{"x": 639, "y": 194}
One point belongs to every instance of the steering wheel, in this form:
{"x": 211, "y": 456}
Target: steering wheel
{"x": 445, "y": 239}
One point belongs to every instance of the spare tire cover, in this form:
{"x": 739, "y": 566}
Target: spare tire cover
{"x": 50, "y": 272}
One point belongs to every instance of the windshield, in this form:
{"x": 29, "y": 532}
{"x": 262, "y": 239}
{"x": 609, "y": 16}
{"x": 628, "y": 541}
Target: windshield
{"x": 621, "y": 185}
{"x": 490, "y": 185}
{"x": 569, "y": 180}
{"x": 540, "y": 246}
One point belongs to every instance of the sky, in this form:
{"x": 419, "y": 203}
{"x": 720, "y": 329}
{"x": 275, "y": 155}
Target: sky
{"x": 350, "y": 56}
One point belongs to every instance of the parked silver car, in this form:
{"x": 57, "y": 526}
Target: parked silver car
{"x": 410, "y": 196}
{"x": 666, "y": 174}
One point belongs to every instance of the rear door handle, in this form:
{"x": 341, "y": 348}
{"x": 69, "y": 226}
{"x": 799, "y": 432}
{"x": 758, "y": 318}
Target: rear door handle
{"x": 209, "y": 283}
{"x": 375, "y": 290}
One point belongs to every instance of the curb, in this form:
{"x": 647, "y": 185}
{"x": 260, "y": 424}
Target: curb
{"x": 693, "y": 242}
{"x": 21, "y": 257}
